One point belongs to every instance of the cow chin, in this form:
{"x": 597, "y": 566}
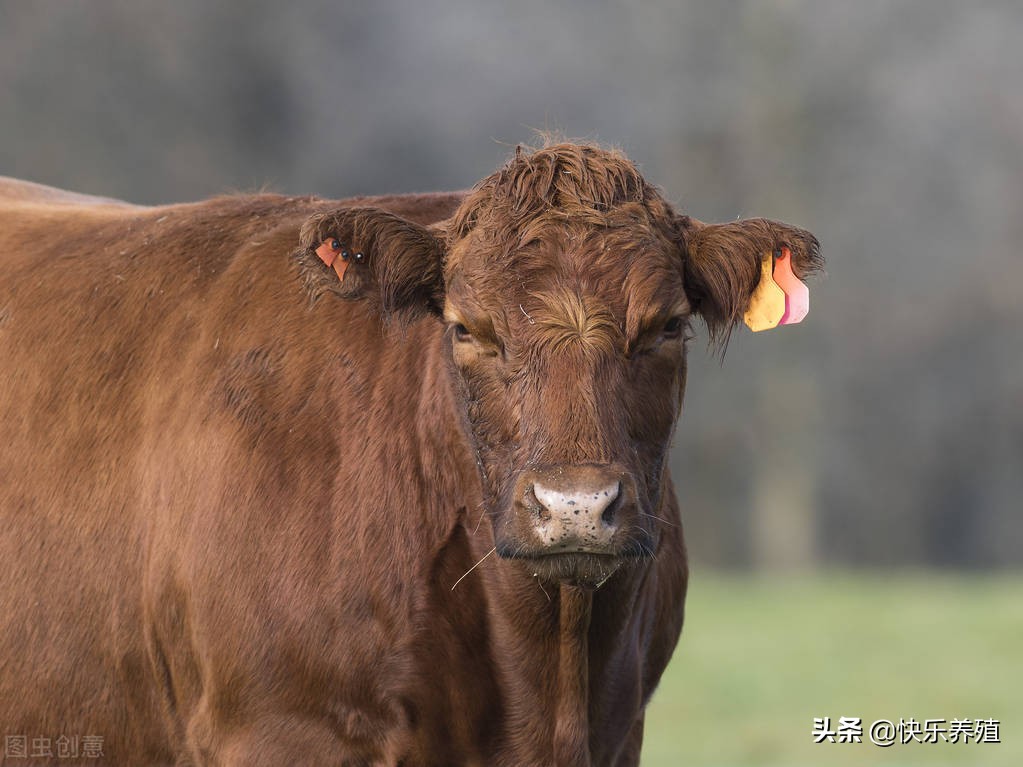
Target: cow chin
{"x": 587, "y": 569}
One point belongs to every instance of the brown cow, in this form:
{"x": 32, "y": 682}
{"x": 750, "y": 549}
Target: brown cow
{"x": 250, "y": 511}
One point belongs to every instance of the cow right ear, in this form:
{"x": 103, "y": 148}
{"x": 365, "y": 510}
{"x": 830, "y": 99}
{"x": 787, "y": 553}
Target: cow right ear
{"x": 368, "y": 253}
{"x": 724, "y": 265}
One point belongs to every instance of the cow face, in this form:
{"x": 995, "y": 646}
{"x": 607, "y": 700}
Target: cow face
{"x": 567, "y": 286}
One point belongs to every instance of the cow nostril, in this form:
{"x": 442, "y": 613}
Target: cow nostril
{"x": 529, "y": 499}
{"x": 608, "y": 516}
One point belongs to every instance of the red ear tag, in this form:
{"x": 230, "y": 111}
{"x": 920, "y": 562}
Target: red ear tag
{"x": 332, "y": 253}
{"x": 797, "y": 295}
{"x": 328, "y": 251}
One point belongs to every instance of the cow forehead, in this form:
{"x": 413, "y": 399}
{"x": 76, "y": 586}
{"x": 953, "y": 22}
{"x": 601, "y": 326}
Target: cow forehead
{"x": 568, "y": 270}
{"x": 598, "y": 286}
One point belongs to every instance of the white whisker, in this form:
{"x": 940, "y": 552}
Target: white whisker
{"x": 474, "y": 566}
{"x": 659, "y": 519}
{"x": 535, "y": 575}
{"x": 479, "y": 521}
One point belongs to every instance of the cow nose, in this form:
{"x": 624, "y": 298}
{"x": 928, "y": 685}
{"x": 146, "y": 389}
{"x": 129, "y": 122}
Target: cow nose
{"x": 575, "y": 507}
{"x": 593, "y": 503}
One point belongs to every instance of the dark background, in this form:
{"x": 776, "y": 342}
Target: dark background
{"x": 885, "y": 430}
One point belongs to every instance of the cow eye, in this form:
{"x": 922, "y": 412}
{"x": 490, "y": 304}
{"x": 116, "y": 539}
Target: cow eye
{"x": 673, "y": 328}
{"x": 462, "y": 333}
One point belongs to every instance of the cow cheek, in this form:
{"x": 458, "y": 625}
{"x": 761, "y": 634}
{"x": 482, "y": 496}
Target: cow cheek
{"x": 652, "y": 420}
{"x": 490, "y": 423}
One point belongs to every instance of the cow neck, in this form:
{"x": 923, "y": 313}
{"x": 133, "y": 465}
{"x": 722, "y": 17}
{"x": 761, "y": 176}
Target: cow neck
{"x": 571, "y": 728}
{"x": 539, "y": 643}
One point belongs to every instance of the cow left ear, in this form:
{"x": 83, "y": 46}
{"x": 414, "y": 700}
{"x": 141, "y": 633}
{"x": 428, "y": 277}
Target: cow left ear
{"x": 369, "y": 253}
{"x": 725, "y": 265}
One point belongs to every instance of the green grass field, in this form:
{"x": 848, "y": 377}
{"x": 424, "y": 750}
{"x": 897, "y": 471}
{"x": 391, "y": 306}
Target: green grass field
{"x": 761, "y": 656}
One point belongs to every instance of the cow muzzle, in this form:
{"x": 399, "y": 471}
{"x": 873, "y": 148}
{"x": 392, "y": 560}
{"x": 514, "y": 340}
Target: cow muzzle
{"x": 575, "y": 509}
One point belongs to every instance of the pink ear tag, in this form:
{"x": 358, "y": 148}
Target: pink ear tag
{"x": 797, "y": 295}
{"x": 767, "y": 306}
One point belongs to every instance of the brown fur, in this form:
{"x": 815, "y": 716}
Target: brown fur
{"x": 236, "y": 521}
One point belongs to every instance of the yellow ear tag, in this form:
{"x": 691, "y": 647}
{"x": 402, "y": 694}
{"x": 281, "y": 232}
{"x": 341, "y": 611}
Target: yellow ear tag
{"x": 767, "y": 306}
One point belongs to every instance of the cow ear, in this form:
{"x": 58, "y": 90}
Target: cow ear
{"x": 368, "y": 253}
{"x": 723, "y": 265}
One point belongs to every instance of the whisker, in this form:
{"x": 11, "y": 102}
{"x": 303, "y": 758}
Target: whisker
{"x": 541, "y": 587}
{"x": 480, "y": 520}
{"x": 650, "y": 551}
{"x": 474, "y": 566}
{"x": 659, "y": 519}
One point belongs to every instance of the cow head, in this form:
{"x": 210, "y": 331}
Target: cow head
{"x": 567, "y": 286}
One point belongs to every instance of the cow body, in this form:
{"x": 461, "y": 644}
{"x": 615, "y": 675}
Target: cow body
{"x": 237, "y": 510}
